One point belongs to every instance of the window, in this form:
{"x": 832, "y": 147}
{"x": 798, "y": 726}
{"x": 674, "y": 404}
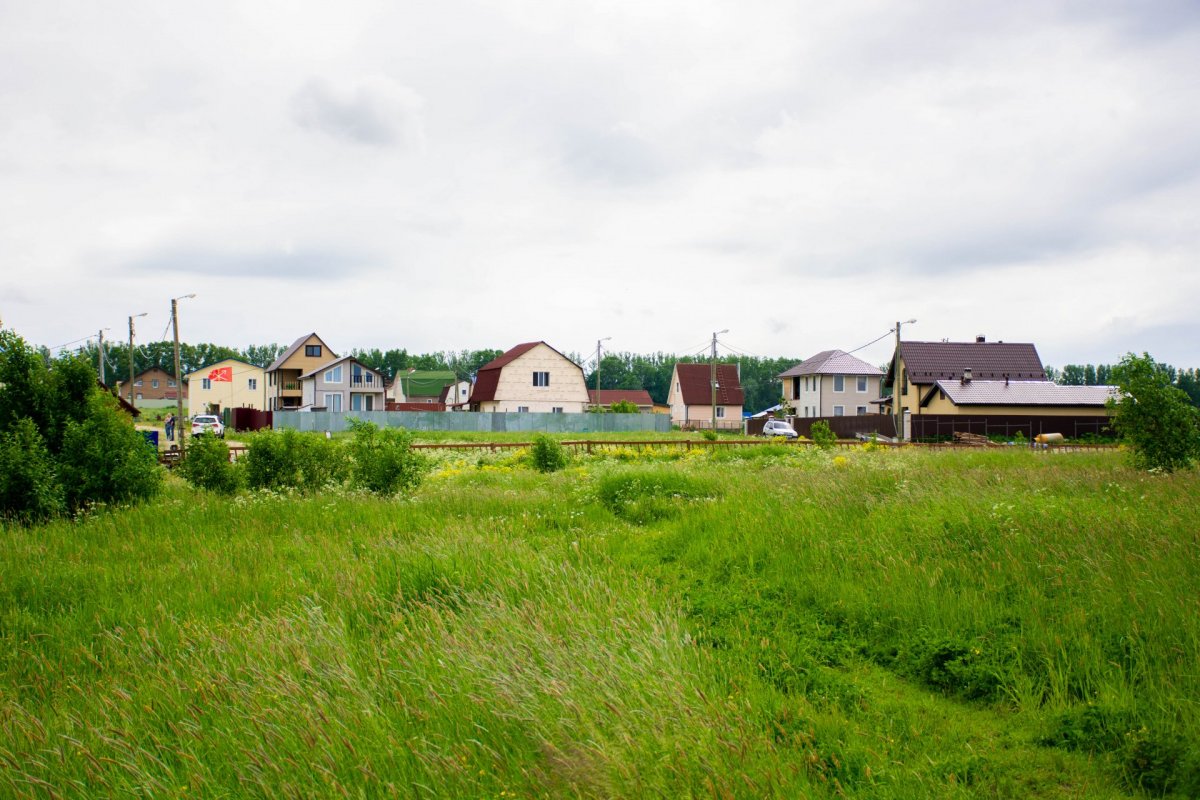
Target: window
{"x": 904, "y": 382}
{"x": 154, "y": 383}
{"x": 356, "y": 402}
{"x": 334, "y": 375}
{"x": 170, "y": 384}
{"x": 252, "y": 383}
{"x": 795, "y": 388}
{"x": 333, "y": 401}
{"x": 862, "y": 411}
{"x": 541, "y": 379}
{"x": 556, "y": 410}
{"x": 205, "y": 383}
{"x": 522, "y": 409}
{"x": 312, "y": 350}
{"x": 862, "y": 384}
{"x": 839, "y": 411}
{"x": 138, "y": 382}
{"x": 720, "y": 412}
{"x": 839, "y": 383}
{"x": 139, "y": 395}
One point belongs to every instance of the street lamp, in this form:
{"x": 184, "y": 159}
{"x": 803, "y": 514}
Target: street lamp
{"x": 131, "y": 319}
{"x": 897, "y": 411}
{"x": 178, "y": 377}
{"x": 712, "y": 383}
{"x": 598, "y": 341}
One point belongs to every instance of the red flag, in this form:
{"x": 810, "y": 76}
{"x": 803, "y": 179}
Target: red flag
{"x": 221, "y": 374}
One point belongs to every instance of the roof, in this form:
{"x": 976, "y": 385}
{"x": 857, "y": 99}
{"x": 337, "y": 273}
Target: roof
{"x": 832, "y": 362}
{"x": 208, "y": 367}
{"x": 693, "y": 384}
{"x": 927, "y": 362}
{"x": 331, "y": 363}
{"x": 488, "y": 376}
{"x": 1024, "y": 393}
{"x": 296, "y": 345}
{"x": 129, "y": 409}
{"x": 425, "y": 382}
{"x": 639, "y": 397}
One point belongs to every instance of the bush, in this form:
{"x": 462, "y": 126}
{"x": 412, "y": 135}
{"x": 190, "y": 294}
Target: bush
{"x": 548, "y": 455}
{"x": 291, "y": 460}
{"x": 624, "y": 407}
{"x": 207, "y": 465}
{"x": 105, "y": 460}
{"x": 823, "y": 435}
{"x": 384, "y": 461}
{"x": 29, "y": 489}
{"x": 709, "y": 435}
{"x": 1157, "y": 419}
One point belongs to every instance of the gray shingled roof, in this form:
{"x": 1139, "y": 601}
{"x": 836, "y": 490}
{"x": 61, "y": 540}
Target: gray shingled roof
{"x": 1024, "y": 393}
{"x": 832, "y": 362}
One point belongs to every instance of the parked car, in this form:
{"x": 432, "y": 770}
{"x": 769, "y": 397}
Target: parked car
{"x": 777, "y": 427}
{"x": 203, "y": 423}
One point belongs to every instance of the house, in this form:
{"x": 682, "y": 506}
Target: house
{"x": 691, "y": 397}
{"x": 832, "y": 383}
{"x": 987, "y": 388}
{"x": 125, "y": 406}
{"x": 230, "y": 383}
{"x": 420, "y": 386}
{"x": 283, "y": 375}
{"x": 531, "y": 377}
{"x": 456, "y": 396}
{"x": 606, "y": 397}
{"x": 344, "y": 384}
{"x": 152, "y": 388}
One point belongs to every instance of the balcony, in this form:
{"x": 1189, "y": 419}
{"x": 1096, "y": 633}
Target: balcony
{"x": 365, "y": 380}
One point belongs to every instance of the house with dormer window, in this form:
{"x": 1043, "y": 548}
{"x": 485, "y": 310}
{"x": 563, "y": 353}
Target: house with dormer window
{"x": 283, "y": 375}
{"x": 344, "y": 384}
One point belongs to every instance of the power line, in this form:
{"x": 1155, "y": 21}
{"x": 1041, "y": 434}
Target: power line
{"x": 873, "y": 341}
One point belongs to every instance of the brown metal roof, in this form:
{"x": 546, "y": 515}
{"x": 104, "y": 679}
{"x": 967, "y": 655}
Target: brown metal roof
{"x": 639, "y": 397}
{"x": 927, "y": 362}
{"x": 694, "y": 385}
{"x": 488, "y": 376}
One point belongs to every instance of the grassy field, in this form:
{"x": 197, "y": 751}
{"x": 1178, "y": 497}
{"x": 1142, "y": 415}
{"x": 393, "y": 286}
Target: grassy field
{"x": 773, "y": 622}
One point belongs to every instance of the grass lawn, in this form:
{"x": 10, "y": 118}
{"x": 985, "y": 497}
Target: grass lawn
{"x": 766, "y": 622}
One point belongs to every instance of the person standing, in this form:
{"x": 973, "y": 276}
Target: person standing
{"x": 170, "y": 426}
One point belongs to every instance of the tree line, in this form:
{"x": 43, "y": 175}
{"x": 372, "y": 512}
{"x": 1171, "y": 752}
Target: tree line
{"x": 1186, "y": 380}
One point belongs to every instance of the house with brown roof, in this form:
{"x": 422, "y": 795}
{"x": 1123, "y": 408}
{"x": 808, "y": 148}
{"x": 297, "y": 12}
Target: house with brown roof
{"x": 531, "y": 377}
{"x": 998, "y": 386}
{"x": 691, "y": 396}
{"x": 343, "y": 384}
{"x": 604, "y": 398}
{"x": 153, "y": 388}
{"x": 304, "y": 355}
{"x": 832, "y": 383}
{"x": 456, "y": 396}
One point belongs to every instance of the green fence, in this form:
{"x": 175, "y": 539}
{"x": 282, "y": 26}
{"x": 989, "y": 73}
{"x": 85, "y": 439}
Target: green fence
{"x": 476, "y": 422}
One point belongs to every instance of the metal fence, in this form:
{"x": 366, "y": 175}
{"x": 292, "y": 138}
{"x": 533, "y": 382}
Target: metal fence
{"x": 476, "y": 422}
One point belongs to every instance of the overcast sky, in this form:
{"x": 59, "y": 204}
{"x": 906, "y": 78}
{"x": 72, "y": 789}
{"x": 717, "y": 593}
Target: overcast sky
{"x": 463, "y": 175}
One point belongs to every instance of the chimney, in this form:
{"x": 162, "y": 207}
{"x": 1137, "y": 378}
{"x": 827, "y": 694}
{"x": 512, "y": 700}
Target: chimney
{"x": 980, "y": 339}
{"x": 966, "y": 376}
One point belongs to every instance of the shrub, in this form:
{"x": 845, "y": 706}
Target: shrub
{"x": 292, "y": 460}
{"x": 823, "y": 435}
{"x": 709, "y": 435}
{"x": 105, "y": 460}
{"x": 207, "y": 465}
{"x": 1157, "y": 419}
{"x": 548, "y": 455}
{"x": 624, "y": 407}
{"x": 384, "y": 461}
{"x": 29, "y": 489}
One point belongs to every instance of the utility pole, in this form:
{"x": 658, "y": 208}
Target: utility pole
{"x": 712, "y": 374}
{"x": 179, "y": 426}
{"x": 598, "y": 341}
{"x": 897, "y": 410}
{"x": 131, "y": 319}
{"x": 100, "y": 347}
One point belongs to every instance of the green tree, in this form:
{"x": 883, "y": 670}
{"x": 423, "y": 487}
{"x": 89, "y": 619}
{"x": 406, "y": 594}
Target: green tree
{"x": 1154, "y": 417}
{"x": 207, "y": 465}
{"x": 624, "y": 407}
{"x": 823, "y": 435}
{"x": 105, "y": 460}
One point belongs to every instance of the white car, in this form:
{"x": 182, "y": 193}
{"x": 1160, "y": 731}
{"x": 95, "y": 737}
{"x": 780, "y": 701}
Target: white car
{"x": 777, "y": 427}
{"x": 207, "y": 423}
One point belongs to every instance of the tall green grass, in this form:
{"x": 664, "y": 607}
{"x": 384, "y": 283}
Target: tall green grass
{"x": 792, "y": 624}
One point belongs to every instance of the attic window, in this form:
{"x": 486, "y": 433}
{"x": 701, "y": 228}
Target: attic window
{"x": 541, "y": 379}
{"x": 312, "y": 350}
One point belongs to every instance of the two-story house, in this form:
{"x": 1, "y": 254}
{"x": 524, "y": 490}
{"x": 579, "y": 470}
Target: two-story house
{"x": 283, "y": 375}
{"x": 832, "y": 383}
{"x": 344, "y": 384}
{"x": 152, "y": 388}
{"x": 691, "y": 396}
{"x": 532, "y": 377}
{"x": 227, "y": 384}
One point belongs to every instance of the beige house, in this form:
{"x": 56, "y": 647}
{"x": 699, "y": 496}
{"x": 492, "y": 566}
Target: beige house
{"x": 832, "y": 383}
{"x": 283, "y": 375}
{"x": 456, "y": 396}
{"x": 1014, "y": 398}
{"x": 227, "y": 384}
{"x": 691, "y": 398}
{"x": 531, "y": 377}
{"x": 344, "y": 384}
